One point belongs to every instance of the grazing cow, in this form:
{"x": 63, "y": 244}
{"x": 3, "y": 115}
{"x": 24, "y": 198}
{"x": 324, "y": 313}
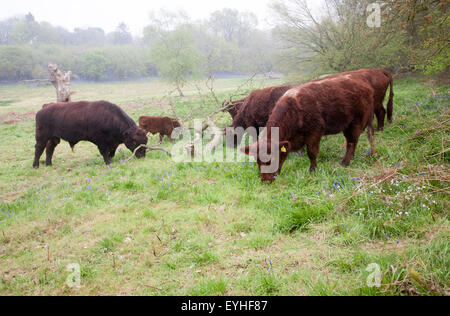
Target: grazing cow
{"x": 256, "y": 110}
{"x": 379, "y": 80}
{"x": 307, "y": 113}
{"x": 164, "y": 126}
{"x": 102, "y": 123}
{"x": 233, "y": 107}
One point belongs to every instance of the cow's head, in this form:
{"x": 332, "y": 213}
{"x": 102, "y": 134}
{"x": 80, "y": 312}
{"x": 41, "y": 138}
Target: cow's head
{"x": 270, "y": 160}
{"x": 134, "y": 138}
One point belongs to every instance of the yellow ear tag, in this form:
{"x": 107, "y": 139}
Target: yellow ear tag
{"x": 283, "y": 149}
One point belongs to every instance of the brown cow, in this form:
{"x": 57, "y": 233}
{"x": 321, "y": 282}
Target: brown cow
{"x": 164, "y": 126}
{"x": 307, "y": 113}
{"x": 379, "y": 80}
{"x": 102, "y": 123}
{"x": 256, "y": 110}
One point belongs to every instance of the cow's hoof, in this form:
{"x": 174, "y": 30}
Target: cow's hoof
{"x": 35, "y": 167}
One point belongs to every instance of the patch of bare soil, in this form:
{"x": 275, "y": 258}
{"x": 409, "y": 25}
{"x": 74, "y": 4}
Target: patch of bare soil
{"x": 14, "y": 118}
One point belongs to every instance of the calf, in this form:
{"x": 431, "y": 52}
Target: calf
{"x": 307, "y": 113}
{"x": 256, "y": 110}
{"x": 164, "y": 126}
{"x": 102, "y": 123}
{"x": 380, "y": 80}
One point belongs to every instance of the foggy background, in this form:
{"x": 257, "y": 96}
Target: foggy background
{"x": 108, "y": 14}
{"x": 183, "y": 40}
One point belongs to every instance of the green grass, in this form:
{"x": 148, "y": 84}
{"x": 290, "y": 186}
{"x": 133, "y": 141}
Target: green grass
{"x": 155, "y": 227}
{"x": 6, "y": 102}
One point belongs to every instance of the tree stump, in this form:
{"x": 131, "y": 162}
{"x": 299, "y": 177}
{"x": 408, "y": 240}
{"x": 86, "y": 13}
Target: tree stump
{"x": 61, "y": 82}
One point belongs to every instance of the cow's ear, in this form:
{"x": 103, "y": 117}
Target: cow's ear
{"x": 285, "y": 147}
{"x": 248, "y": 150}
{"x": 128, "y": 133}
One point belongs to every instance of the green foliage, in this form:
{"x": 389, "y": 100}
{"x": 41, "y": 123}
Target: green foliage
{"x": 176, "y": 57}
{"x": 103, "y": 63}
{"x": 16, "y": 63}
{"x": 95, "y": 66}
{"x": 434, "y": 57}
{"x": 412, "y": 35}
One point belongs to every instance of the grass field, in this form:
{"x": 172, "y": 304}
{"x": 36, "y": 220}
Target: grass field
{"x": 155, "y": 227}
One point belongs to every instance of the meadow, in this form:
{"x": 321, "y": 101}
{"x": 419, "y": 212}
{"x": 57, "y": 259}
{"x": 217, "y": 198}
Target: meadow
{"x": 156, "y": 227}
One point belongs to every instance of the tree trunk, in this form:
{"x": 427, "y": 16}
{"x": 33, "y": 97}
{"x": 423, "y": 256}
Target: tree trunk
{"x": 61, "y": 82}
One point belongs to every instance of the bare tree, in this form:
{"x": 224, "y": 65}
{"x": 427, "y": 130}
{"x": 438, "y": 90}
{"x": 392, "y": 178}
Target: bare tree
{"x": 61, "y": 82}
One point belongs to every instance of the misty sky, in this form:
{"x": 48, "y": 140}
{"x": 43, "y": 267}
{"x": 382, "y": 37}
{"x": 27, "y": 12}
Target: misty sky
{"x": 107, "y": 14}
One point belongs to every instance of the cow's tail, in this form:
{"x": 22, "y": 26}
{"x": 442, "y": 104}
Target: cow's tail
{"x": 390, "y": 105}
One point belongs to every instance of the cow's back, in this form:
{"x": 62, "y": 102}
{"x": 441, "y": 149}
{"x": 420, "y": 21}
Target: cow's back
{"x": 158, "y": 125}
{"x": 329, "y": 105}
{"x": 379, "y": 79}
{"x": 75, "y": 121}
{"x": 258, "y": 106}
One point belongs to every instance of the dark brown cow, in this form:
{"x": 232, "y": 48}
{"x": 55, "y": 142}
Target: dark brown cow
{"x": 102, "y": 123}
{"x": 307, "y": 113}
{"x": 256, "y": 109}
{"x": 233, "y": 107}
{"x": 380, "y": 80}
{"x": 164, "y": 126}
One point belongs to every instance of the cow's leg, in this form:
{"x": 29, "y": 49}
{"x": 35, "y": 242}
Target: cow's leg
{"x": 258, "y": 133}
{"x": 161, "y": 137}
{"x": 39, "y": 150}
{"x": 50, "y": 149}
{"x": 352, "y": 135}
{"x": 112, "y": 153}
{"x": 351, "y": 146}
{"x": 370, "y": 135}
{"x": 105, "y": 152}
{"x": 380, "y": 113}
{"x": 313, "y": 148}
